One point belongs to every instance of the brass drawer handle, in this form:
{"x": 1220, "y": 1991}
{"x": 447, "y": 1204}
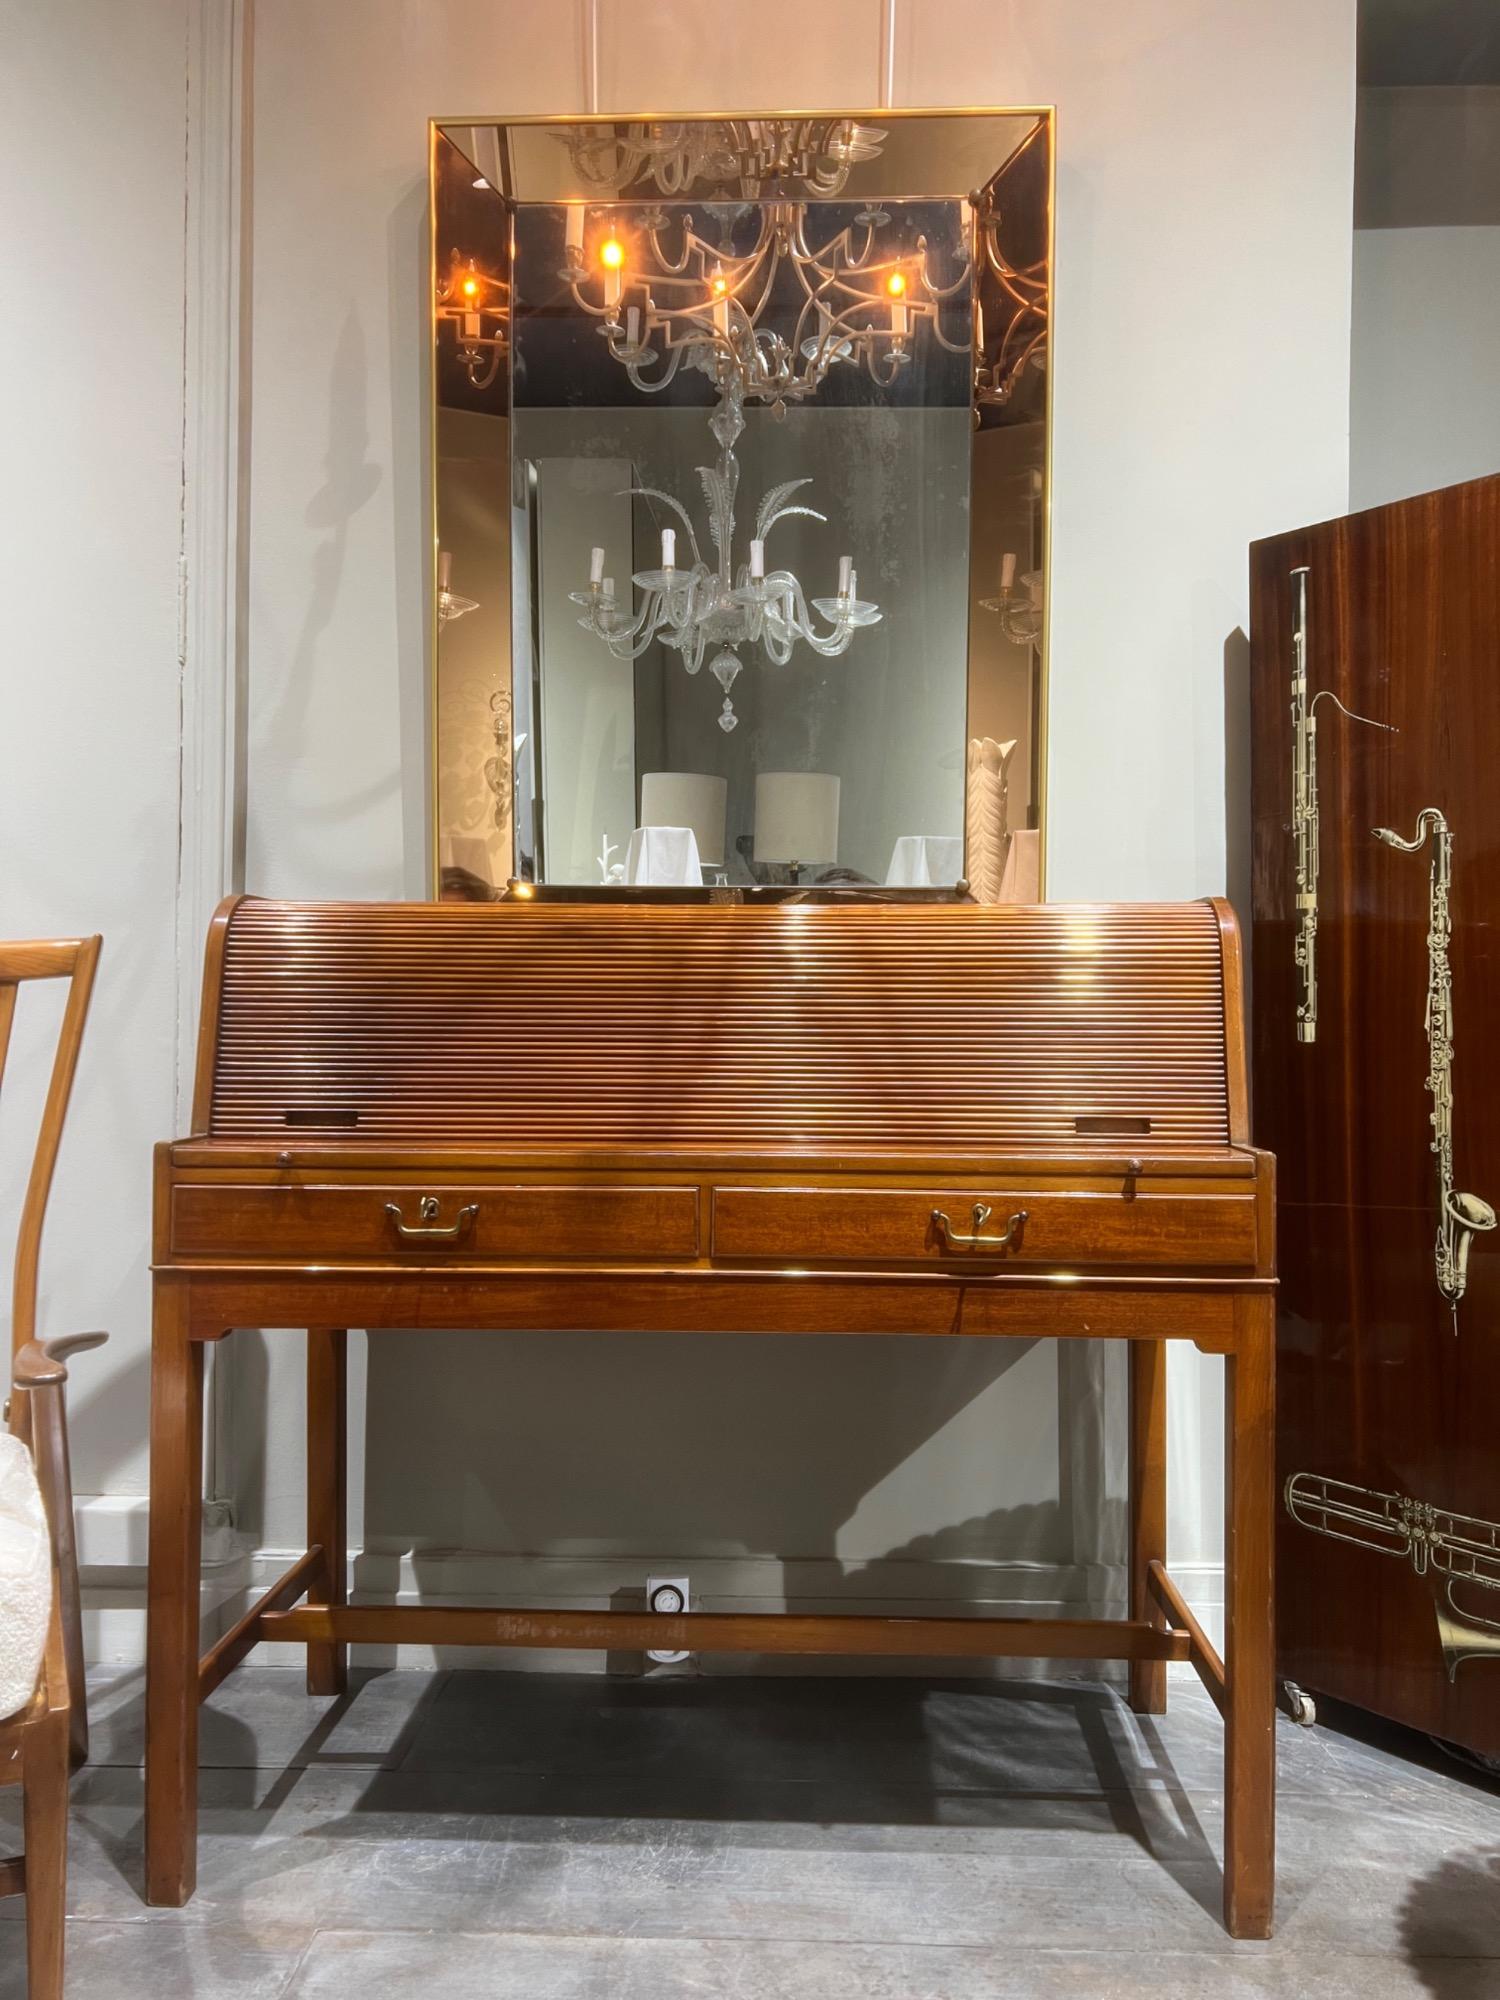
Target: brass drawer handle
{"x": 951, "y": 1240}
{"x": 428, "y": 1230}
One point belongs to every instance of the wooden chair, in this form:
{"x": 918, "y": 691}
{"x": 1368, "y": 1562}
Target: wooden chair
{"x": 44, "y": 1741}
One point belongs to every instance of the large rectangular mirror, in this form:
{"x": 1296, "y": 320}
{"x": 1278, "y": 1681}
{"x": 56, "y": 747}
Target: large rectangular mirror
{"x": 741, "y": 501}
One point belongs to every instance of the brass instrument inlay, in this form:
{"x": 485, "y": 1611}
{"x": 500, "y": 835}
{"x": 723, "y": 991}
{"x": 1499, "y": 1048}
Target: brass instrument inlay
{"x": 1460, "y": 1216}
{"x": 1305, "y": 811}
{"x": 1462, "y": 1548}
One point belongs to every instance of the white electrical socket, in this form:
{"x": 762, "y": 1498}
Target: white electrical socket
{"x": 668, "y": 1594}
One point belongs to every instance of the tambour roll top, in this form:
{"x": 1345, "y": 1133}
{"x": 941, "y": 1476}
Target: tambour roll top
{"x": 840, "y": 1031}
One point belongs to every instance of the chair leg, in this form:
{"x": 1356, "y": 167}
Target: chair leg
{"x": 45, "y": 1813}
{"x": 327, "y": 1493}
{"x": 1148, "y": 1507}
{"x": 1249, "y": 1663}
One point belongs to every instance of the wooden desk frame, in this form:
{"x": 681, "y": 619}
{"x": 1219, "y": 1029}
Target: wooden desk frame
{"x": 202, "y": 1294}
{"x": 1235, "y": 1319}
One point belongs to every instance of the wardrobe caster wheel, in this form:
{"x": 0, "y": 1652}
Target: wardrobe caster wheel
{"x": 1299, "y": 1706}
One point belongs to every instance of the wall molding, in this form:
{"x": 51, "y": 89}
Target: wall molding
{"x": 212, "y": 680}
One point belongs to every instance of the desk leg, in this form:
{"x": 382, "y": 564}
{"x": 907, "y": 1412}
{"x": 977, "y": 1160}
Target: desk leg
{"x": 172, "y": 1613}
{"x": 327, "y": 1493}
{"x": 1250, "y": 1748}
{"x": 1148, "y": 1507}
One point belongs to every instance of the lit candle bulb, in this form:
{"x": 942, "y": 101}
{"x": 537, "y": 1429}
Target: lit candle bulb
{"x": 1007, "y": 570}
{"x": 612, "y": 257}
{"x": 669, "y": 548}
{"x": 895, "y": 285}
{"x": 575, "y": 231}
{"x": 757, "y": 559}
{"x": 720, "y": 289}
{"x": 596, "y": 565}
{"x": 846, "y": 575}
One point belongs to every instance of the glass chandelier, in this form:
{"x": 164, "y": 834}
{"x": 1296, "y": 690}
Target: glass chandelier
{"x": 815, "y": 154}
{"x": 724, "y": 605}
{"x": 1019, "y": 604}
{"x": 669, "y": 296}
{"x": 478, "y": 306}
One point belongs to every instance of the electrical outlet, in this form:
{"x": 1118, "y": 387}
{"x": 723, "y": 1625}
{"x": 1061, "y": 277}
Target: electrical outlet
{"x": 668, "y": 1594}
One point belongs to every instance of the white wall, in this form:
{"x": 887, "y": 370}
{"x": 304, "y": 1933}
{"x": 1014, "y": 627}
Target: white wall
{"x": 1204, "y": 179}
{"x": 92, "y": 104}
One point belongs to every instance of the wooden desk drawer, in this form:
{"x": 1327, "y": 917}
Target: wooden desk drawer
{"x": 807, "y": 1225}
{"x": 472, "y": 1224}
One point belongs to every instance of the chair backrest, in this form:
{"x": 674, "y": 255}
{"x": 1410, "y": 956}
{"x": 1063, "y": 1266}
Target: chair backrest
{"x": 73, "y": 959}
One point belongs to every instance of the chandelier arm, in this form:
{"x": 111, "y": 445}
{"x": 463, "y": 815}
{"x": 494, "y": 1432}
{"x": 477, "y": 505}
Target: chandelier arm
{"x": 960, "y": 283}
{"x": 483, "y": 381}
{"x": 952, "y": 346}
{"x": 630, "y": 645}
{"x": 575, "y": 287}
{"x": 800, "y": 624}
{"x": 669, "y": 267}
{"x": 650, "y": 388}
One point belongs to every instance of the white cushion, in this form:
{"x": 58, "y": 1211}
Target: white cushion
{"x": 25, "y": 1576}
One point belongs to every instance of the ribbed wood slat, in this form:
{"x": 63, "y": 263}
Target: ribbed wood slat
{"x": 789, "y": 1030}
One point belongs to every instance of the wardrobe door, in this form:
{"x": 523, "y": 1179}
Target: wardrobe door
{"x": 1382, "y": 1100}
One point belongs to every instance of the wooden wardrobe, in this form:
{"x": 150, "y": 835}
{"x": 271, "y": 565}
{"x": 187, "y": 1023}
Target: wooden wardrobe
{"x": 1388, "y": 1447}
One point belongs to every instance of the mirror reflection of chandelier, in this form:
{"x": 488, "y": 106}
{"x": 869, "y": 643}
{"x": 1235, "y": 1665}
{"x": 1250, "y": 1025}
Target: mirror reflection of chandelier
{"x": 478, "y": 306}
{"x": 724, "y": 605}
{"x": 814, "y": 154}
{"x": 1019, "y": 604}
{"x": 449, "y": 604}
{"x": 665, "y": 295}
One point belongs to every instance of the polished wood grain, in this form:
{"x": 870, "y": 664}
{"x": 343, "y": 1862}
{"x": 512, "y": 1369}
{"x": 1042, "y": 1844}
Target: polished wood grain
{"x": 42, "y": 1744}
{"x": 836, "y": 1634}
{"x": 601, "y": 1224}
{"x": 704, "y": 1119}
{"x": 172, "y": 1600}
{"x": 1376, "y": 1386}
{"x": 1148, "y": 1506}
{"x": 1203, "y": 1655}
{"x": 801, "y": 1030}
{"x": 328, "y": 1495}
{"x": 1249, "y": 1622}
{"x": 75, "y": 960}
{"x": 246, "y": 1633}
{"x": 861, "y": 1224}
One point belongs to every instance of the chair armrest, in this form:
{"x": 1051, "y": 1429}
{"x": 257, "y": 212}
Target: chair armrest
{"x": 40, "y": 1363}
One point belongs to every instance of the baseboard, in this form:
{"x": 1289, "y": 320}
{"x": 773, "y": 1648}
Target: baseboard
{"x": 115, "y": 1596}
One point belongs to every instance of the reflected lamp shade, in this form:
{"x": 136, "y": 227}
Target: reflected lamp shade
{"x": 796, "y": 816}
{"x": 688, "y": 798}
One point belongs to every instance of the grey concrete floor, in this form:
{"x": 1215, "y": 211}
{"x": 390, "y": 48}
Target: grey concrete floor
{"x": 530, "y": 1837}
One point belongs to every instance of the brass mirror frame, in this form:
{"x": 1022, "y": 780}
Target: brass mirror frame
{"x": 1045, "y": 114}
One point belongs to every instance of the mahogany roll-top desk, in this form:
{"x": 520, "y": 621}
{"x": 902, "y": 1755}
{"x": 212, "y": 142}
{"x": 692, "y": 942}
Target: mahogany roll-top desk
{"x": 914, "y": 1118}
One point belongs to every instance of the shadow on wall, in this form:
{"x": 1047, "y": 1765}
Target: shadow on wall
{"x": 286, "y": 705}
{"x": 621, "y": 1451}
{"x": 623, "y": 1445}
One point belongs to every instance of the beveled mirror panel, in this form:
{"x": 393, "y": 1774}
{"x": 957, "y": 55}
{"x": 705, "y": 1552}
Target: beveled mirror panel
{"x": 741, "y": 500}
